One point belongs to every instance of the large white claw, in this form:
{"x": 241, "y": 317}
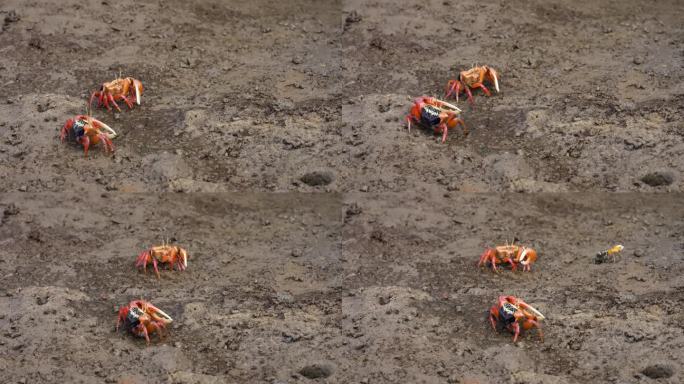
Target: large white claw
{"x": 110, "y": 132}
{"x": 137, "y": 93}
{"x": 450, "y": 106}
{"x": 166, "y": 317}
{"x": 522, "y": 256}
{"x": 535, "y": 312}
{"x": 496, "y": 81}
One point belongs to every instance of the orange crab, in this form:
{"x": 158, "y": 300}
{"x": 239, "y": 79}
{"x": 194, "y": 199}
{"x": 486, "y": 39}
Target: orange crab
{"x": 171, "y": 254}
{"x": 88, "y": 131}
{"x": 472, "y": 79}
{"x": 513, "y": 313}
{"x": 511, "y": 254}
{"x": 437, "y": 114}
{"x": 129, "y": 90}
{"x": 142, "y": 318}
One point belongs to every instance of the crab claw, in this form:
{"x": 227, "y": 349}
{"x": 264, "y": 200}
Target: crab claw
{"x": 444, "y": 105}
{"x": 110, "y": 132}
{"x": 138, "y": 90}
{"x": 185, "y": 259}
{"x": 494, "y": 77}
{"x": 159, "y": 314}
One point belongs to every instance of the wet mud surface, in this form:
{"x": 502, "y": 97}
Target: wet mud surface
{"x": 328, "y": 243}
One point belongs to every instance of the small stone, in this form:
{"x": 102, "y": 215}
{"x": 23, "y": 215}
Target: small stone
{"x": 638, "y": 60}
{"x": 12, "y": 17}
{"x": 297, "y": 60}
{"x": 638, "y": 253}
{"x": 296, "y": 253}
{"x": 284, "y": 298}
{"x": 656, "y": 179}
{"x": 316, "y": 371}
{"x": 378, "y": 43}
{"x": 353, "y": 210}
{"x": 364, "y": 188}
{"x": 36, "y": 42}
{"x": 11, "y": 210}
{"x": 658, "y": 371}
{"x": 317, "y": 178}
{"x": 352, "y": 17}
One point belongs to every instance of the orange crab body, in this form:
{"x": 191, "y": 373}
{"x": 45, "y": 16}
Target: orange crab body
{"x": 127, "y": 89}
{"x": 433, "y": 113}
{"x": 88, "y": 131}
{"x": 141, "y": 318}
{"x": 514, "y": 314}
{"x": 513, "y": 255}
{"x": 472, "y": 79}
{"x": 163, "y": 254}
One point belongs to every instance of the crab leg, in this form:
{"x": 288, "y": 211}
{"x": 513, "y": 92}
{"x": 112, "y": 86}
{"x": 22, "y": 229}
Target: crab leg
{"x": 105, "y": 101}
{"x": 93, "y": 97}
{"x": 470, "y": 95}
{"x": 444, "y": 132}
{"x": 156, "y": 270}
{"x": 511, "y": 262}
{"x": 125, "y": 99}
{"x": 66, "y": 128}
{"x": 483, "y": 257}
{"x": 484, "y": 89}
{"x": 460, "y": 121}
{"x": 451, "y": 86}
{"x": 516, "y": 328}
{"x": 147, "y": 335}
{"x": 493, "y": 261}
{"x": 539, "y": 330}
{"x": 122, "y": 315}
{"x": 85, "y": 141}
{"x": 492, "y": 316}
{"x": 142, "y": 259}
{"x": 111, "y": 99}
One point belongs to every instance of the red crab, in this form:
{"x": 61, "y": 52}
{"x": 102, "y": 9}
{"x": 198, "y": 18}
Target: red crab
{"x": 118, "y": 89}
{"x": 472, "y": 79}
{"x": 434, "y": 113}
{"x": 512, "y": 254}
{"x": 513, "y": 313}
{"x": 88, "y": 131}
{"x": 173, "y": 255}
{"x": 142, "y": 318}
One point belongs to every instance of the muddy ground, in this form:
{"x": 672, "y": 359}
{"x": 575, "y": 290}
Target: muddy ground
{"x": 327, "y": 243}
